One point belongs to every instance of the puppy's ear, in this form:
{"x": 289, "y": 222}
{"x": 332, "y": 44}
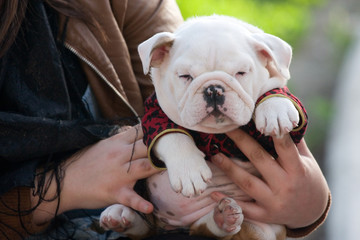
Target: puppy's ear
{"x": 153, "y": 51}
{"x": 277, "y": 51}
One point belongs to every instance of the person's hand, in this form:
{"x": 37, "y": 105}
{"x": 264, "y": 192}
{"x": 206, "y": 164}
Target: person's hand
{"x": 101, "y": 175}
{"x": 292, "y": 190}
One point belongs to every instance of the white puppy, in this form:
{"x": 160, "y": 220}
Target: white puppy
{"x": 208, "y": 77}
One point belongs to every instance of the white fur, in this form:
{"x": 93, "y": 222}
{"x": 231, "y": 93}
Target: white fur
{"x": 206, "y": 48}
{"x": 120, "y": 212}
{"x": 187, "y": 168}
{"x": 276, "y": 116}
{"x": 212, "y": 51}
{"x": 209, "y": 221}
{"x": 242, "y": 63}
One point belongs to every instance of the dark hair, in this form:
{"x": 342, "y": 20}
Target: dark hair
{"x": 12, "y": 13}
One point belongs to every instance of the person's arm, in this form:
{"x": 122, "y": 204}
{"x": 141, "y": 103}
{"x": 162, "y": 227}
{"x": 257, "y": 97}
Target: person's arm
{"x": 26, "y": 137}
{"x": 27, "y": 141}
{"x": 292, "y": 190}
{"x": 95, "y": 177}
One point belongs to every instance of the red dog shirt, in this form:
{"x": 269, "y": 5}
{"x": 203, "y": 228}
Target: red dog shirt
{"x": 155, "y": 123}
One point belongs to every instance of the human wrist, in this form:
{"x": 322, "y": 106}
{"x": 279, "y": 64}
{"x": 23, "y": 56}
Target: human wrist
{"x": 44, "y": 204}
{"x": 304, "y": 231}
{"x": 51, "y": 199}
{"x": 317, "y": 204}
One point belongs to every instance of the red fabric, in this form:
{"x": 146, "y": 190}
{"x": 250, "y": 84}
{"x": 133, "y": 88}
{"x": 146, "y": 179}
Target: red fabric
{"x": 155, "y": 121}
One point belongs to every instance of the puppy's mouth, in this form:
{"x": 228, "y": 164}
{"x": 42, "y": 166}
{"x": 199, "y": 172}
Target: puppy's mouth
{"x": 216, "y": 119}
{"x": 216, "y": 108}
{"x": 219, "y": 117}
{"x": 215, "y": 102}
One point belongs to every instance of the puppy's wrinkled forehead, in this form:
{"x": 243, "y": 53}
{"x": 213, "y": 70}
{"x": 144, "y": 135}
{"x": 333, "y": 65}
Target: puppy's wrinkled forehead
{"x": 213, "y": 44}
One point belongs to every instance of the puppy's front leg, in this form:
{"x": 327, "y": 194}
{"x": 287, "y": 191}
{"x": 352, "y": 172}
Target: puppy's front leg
{"x": 276, "y": 116}
{"x": 188, "y": 171}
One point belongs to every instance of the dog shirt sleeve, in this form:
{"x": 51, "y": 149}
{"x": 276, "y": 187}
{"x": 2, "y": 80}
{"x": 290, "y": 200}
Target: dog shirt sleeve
{"x": 298, "y": 132}
{"x": 155, "y": 123}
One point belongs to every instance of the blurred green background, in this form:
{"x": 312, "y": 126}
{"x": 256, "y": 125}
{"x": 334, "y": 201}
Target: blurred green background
{"x": 322, "y": 34}
{"x": 286, "y": 19}
{"x": 293, "y": 21}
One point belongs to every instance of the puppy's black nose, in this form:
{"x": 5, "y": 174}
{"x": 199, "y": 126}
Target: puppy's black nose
{"x": 214, "y": 95}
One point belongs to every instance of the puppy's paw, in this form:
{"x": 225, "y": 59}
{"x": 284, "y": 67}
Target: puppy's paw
{"x": 228, "y": 216}
{"x": 190, "y": 177}
{"x": 276, "y": 116}
{"x": 117, "y": 217}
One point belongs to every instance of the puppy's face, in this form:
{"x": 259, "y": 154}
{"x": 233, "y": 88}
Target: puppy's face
{"x": 210, "y": 72}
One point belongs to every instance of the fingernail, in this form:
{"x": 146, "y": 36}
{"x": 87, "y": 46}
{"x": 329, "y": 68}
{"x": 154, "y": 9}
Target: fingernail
{"x": 125, "y": 222}
{"x": 145, "y": 207}
{"x": 216, "y": 194}
{"x": 230, "y": 229}
{"x": 217, "y": 197}
{"x": 262, "y": 130}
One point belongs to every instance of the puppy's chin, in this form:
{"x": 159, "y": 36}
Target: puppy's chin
{"x": 215, "y": 124}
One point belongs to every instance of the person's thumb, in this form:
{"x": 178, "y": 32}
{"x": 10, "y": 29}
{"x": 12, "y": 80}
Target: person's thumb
{"x": 130, "y": 198}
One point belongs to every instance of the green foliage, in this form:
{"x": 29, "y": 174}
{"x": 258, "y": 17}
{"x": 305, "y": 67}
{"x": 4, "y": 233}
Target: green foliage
{"x": 284, "y": 18}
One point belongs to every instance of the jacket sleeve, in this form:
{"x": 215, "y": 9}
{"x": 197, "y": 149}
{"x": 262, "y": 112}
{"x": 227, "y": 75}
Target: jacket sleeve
{"x": 26, "y": 141}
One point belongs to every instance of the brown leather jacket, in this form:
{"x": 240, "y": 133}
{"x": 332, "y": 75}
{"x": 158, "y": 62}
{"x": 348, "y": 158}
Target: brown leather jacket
{"x": 113, "y": 70}
{"x": 112, "y": 66}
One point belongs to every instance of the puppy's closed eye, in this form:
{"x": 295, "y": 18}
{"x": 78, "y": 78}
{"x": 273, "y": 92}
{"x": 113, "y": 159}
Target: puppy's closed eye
{"x": 186, "y": 77}
{"x": 240, "y": 73}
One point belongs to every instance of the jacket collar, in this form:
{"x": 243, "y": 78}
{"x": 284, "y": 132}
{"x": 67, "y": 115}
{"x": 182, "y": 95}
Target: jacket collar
{"x": 103, "y": 64}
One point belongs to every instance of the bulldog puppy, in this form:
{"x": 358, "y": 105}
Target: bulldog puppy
{"x": 208, "y": 77}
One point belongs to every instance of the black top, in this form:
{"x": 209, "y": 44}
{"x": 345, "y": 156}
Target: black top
{"x": 42, "y": 115}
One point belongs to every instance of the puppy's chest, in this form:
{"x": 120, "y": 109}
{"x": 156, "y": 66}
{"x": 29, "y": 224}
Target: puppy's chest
{"x": 211, "y": 144}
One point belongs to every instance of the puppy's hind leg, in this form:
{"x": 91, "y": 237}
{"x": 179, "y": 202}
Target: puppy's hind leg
{"x": 260, "y": 231}
{"x": 123, "y": 219}
{"x": 223, "y": 221}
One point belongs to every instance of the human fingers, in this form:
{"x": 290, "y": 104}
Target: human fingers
{"x": 218, "y": 196}
{"x": 249, "y": 183}
{"x": 262, "y": 160}
{"x": 303, "y": 149}
{"x": 141, "y": 168}
{"x": 288, "y": 154}
{"x": 131, "y": 135}
{"x": 137, "y": 150}
{"x": 250, "y": 209}
{"x": 128, "y": 197}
